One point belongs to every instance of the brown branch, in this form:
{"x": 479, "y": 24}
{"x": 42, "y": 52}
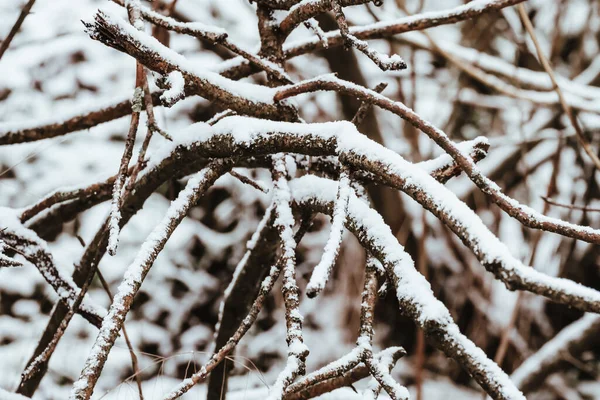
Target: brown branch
{"x": 155, "y": 56}
{"x": 242, "y": 270}
{"x": 569, "y": 206}
{"x": 413, "y": 292}
{"x": 13, "y": 31}
{"x": 525, "y": 215}
{"x": 249, "y": 181}
{"x": 34, "y": 250}
{"x": 334, "y": 376}
{"x": 405, "y": 24}
{"x": 117, "y": 196}
{"x": 79, "y": 121}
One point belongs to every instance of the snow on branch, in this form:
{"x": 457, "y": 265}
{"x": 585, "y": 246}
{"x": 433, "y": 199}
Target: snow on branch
{"x": 135, "y": 274}
{"x": 243, "y": 97}
{"x": 413, "y": 291}
{"x": 245, "y": 136}
{"x": 525, "y": 215}
{"x": 383, "y": 61}
{"x": 265, "y": 288}
{"x": 383, "y": 29}
{"x": 284, "y": 223}
{"x": 321, "y": 273}
{"x": 76, "y": 119}
{"x": 27, "y": 244}
{"x": 176, "y": 89}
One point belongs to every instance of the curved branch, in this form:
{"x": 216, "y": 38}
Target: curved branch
{"x": 525, "y": 215}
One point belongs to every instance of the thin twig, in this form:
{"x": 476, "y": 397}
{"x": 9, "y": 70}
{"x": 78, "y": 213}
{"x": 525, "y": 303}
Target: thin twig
{"x": 24, "y": 12}
{"x": 134, "y": 359}
{"x": 566, "y": 108}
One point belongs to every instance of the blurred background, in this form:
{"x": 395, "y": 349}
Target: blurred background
{"x": 53, "y": 70}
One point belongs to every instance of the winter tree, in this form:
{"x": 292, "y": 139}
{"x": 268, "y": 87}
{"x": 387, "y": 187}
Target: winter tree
{"x": 295, "y": 199}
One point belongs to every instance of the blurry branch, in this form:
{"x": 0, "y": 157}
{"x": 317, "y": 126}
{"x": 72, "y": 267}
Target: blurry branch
{"x": 249, "y": 181}
{"x": 65, "y": 195}
{"x": 277, "y": 4}
{"x": 569, "y": 342}
{"x": 580, "y": 135}
{"x": 523, "y": 214}
{"x": 524, "y": 77}
{"x": 569, "y": 206}
{"x": 137, "y": 271}
{"x": 507, "y": 89}
{"x": 83, "y": 119}
{"x": 13, "y": 31}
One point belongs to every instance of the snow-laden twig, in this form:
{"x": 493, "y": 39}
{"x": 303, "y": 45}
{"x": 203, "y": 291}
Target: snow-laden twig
{"x": 117, "y": 196}
{"x": 217, "y": 36}
{"x": 242, "y": 97}
{"x": 135, "y": 274}
{"x": 284, "y": 222}
{"x": 6, "y": 261}
{"x": 342, "y": 372}
{"x": 383, "y": 61}
{"x": 44, "y": 356}
{"x": 412, "y": 289}
{"x": 313, "y": 26}
{"x": 563, "y": 102}
{"x": 393, "y": 27}
{"x": 264, "y": 290}
{"x": 36, "y": 251}
{"x": 323, "y": 269}
{"x": 15, "y": 28}
{"x": 365, "y": 340}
